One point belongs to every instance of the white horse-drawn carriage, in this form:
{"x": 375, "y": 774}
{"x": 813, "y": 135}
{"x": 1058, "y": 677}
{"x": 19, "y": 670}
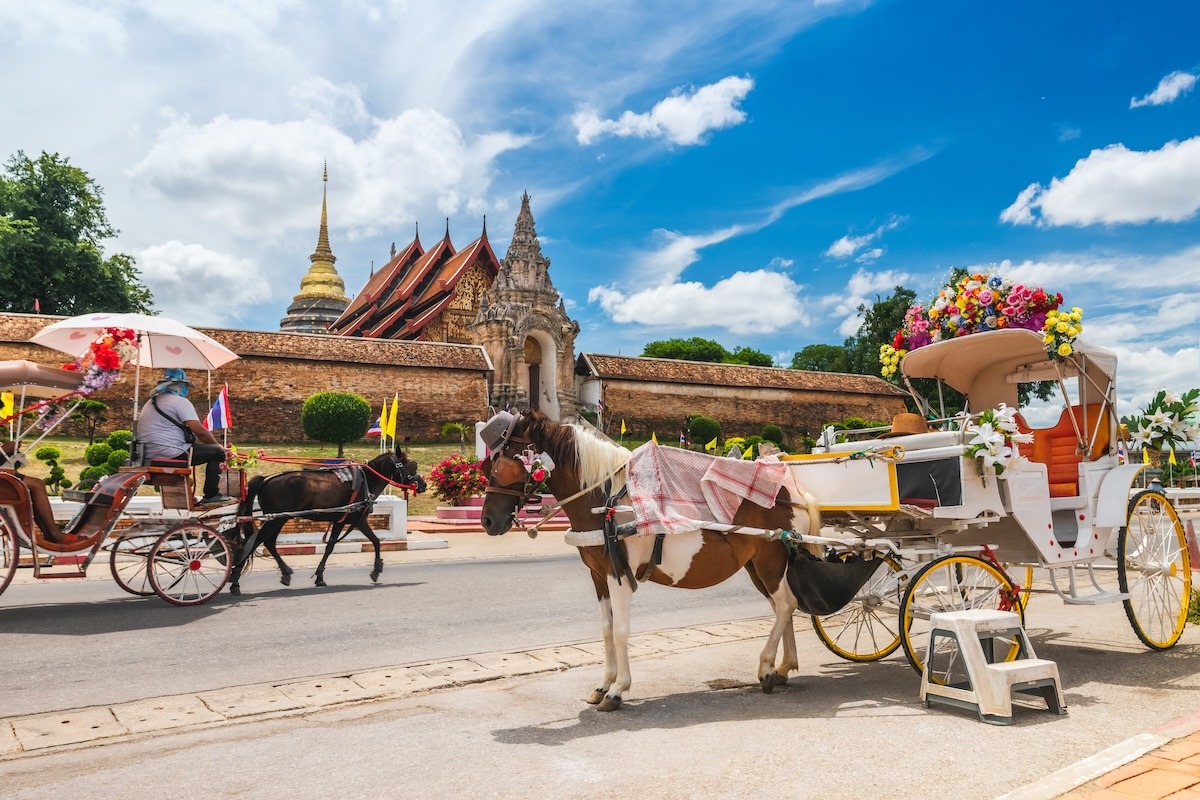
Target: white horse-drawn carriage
{"x": 954, "y": 522}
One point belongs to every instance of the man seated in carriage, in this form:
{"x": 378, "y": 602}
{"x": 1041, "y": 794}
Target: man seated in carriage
{"x": 169, "y": 428}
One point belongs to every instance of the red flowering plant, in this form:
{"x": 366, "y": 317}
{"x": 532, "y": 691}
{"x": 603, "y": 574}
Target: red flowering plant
{"x": 971, "y": 304}
{"x": 457, "y": 478}
{"x": 100, "y": 366}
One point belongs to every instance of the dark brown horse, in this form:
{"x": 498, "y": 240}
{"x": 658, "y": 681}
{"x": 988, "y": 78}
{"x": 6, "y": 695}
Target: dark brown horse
{"x": 341, "y": 495}
{"x": 583, "y": 463}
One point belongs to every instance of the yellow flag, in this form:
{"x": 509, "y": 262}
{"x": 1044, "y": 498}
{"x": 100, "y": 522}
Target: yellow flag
{"x": 1145, "y": 455}
{"x": 654, "y": 438}
{"x": 6, "y": 405}
{"x": 1171, "y": 459}
{"x": 749, "y": 454}
{"x": 623, "y": 428}
{"x": 383, "y": 418}
{"x": 711, "y": 445}
{"x": 390, "y": 430}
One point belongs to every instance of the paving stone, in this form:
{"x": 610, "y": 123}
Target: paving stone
{"x": 657, "y": 643}
{"x": 398, "y": 680}
{"x": 247, "y": 701}
{"x": 461, "y": 671}
{"x": 161, "y": 713}
{"x": 325, "y": 691}
{"x": 1155, "y": 783}
{"x": 67, "y": 727}
{"x": 692, "y": 636}
{"x": 743, "y": 629}
{"x": 516, "y": 663}
{"x": 570, "y": 656}
{"x": 8, "y": 739}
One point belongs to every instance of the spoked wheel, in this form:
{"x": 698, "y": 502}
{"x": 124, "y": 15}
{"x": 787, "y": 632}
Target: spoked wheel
{"x": 9, "y": 550}
{"x": 1154, "y": 568}
{"x": 189, "y": 564}
{"x": 866, "y": 628}
{"x": 1025, "y": 584}
{"x": 953, "y": 583}
{"x": 128, "y": 559}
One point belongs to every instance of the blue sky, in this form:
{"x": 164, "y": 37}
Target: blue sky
{"x": 743, "y": 171}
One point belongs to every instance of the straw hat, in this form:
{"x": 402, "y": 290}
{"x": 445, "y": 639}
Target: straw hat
{"x": 906, "y": 424}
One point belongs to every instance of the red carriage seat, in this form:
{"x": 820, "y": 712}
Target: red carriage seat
{"x": 1058, "y": 447}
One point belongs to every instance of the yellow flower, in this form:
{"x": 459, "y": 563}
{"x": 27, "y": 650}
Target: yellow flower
{"x": 1061, "y": 327}
{"x": 1072, "y": 331}
{"x": 1064, "y": 349}
{"x": 1048, "y": 338}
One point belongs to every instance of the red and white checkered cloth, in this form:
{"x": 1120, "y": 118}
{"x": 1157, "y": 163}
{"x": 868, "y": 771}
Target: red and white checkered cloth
{"x": 674, "y": 490}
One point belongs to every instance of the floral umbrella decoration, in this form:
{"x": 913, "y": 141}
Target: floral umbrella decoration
{"x": 538, "y": 466}
{"x": 993, "y": 436}
{"x": 983, "y": 302}
{"x": 100, "y": 365}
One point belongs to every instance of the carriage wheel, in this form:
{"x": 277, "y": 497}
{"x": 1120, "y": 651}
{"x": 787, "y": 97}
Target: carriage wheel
{"x": 9, "y": 551}
{"x": 953, "y": 583}
{"x": 1154, "y": 568}
{"x": 866, "y": 628}
{"x": 189, "y": 564}
{"x": 127, "y": 560}
{"x": 1026, "y": 582}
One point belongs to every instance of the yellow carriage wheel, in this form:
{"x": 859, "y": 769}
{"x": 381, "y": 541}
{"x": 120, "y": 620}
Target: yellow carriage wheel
{"x": 866, "y": 628}
{"x": 953, "y": 583}
{"x": 1154, "y": 569}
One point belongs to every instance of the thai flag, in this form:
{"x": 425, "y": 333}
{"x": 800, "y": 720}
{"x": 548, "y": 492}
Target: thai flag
{"x": 219, "y": 416}
{"x": 376, "y": 428}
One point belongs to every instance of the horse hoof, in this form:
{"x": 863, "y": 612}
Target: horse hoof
{"x": 374, "y": 577}
{"x": 609, "y": 703}
{"x": 595, "y": 697}
{"x": 320, "y": 581}
{"x": 286, "y": 580}
{"x": 235, "y": 589}
{"x": 769, "y": 681}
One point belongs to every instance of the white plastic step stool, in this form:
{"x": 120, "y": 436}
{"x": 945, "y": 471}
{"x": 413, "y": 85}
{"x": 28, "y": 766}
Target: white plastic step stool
{"x": 976, "y": 659}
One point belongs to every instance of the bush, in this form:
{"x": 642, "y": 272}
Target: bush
{"x": 116, "y": 460}
{"x": 97, "y": 454}
{"x": 457, "y": 478}
{"x": 119, "y": 440}
{"x": 702, "y": 430}
{"x": 335, "y": 417}
{"x": 56, "y": 481}
{"x": 89, "y": 476}
{"x": 47, "y": 453}
{"x": 772, "y": 433}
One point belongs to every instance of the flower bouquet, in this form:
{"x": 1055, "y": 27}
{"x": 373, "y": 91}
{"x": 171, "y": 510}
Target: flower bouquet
{"x": 243, "y": 459}
{"x": 457, "y": 478}
{"x": 100, "y": 366}
{"x": 1167, "y": 422}
{"x": 982, "y": 302}
{"x": 538, "y": 466}
{"x": 992, "y": 437}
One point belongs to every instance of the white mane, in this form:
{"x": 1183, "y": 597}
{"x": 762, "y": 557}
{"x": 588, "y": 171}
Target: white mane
{"x": 597, "y": 459}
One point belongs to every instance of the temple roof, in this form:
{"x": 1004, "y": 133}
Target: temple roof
{"x": 412, "y": 289}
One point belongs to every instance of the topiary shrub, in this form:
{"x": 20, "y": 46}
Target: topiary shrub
{"x": 335, "y": 417}
{"x": 119, "y": 440}
{"x": 97, "y": 454}
{"x": 702, "y": 430}
{"x": 116, "y": 460}
{"x": 56, "y": 481}
{"x": 772, "y": 433}
{"x": 89, "y": 476}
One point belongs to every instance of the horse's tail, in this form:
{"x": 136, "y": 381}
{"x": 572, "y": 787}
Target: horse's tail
{"x": 246, "y": 507}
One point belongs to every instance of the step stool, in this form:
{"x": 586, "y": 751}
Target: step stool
{"x": 971, "y": 654}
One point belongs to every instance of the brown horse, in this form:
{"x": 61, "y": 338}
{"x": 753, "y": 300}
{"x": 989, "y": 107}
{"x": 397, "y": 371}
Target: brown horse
{"x": 306, "y": 494}
{"x": 583, "y": 463}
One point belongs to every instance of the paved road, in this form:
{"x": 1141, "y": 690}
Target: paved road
{"x": 79, "y": 643}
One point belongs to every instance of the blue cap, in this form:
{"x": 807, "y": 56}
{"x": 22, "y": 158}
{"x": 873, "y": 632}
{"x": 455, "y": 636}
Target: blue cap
{"x": 174, "y": 375}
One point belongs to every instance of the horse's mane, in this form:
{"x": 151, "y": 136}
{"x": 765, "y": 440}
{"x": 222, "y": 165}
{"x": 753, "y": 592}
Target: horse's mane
{"x": 595, "y": 458}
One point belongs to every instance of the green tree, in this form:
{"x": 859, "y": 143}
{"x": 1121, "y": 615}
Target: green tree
{"x": 91, "y": 414}
{"x": 693, "y": 349}
{"x": 52, "y": 226}
{"x": 821, "y": 358}
{"x": 335, "y": 417}
{"x": 748, "y": 355}
{"x": 880, "y": 322}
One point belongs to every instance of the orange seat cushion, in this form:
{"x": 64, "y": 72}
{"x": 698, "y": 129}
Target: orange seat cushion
{"x": 1058, "y": 447}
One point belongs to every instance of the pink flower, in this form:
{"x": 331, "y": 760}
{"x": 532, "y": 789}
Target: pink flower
{"x": 538, "y": 475}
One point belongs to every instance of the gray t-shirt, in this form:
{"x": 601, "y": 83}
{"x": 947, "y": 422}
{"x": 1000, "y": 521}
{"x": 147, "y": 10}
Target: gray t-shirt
{"x": 161, "y": 438}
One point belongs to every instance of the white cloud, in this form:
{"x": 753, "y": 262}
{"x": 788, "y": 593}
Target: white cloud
{"x": 203, "y": 287}
{"x": 1168, "y": 90}
{"x": 1116, "y": 185}
{"x": 68, "y": 25}
{"x": 682, "y": 118}
{"x": 861, "y": 290}
{"x": 848, "y": 245}
{"x": 745, "y": 303}
{"x": 254, "y": 177}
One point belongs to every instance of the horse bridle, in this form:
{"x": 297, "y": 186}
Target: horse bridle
{"x": 526, "y": 492}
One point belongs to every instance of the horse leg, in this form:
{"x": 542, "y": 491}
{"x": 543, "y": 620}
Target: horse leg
{"x": 783, "y": 603}
{"x": 269, "y": 539}
{"x": 620, "y": 598}
{"x": 330, "y": 542}
{"x": 363, "y": 526}
{"x": 250, "y": 539}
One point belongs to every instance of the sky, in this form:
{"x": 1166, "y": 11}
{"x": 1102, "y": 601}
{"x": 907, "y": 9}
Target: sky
{"x": 749, "y": 171}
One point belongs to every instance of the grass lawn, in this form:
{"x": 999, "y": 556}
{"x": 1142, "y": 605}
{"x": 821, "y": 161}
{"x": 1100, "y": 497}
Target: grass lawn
{"x": 426, "y": 455}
